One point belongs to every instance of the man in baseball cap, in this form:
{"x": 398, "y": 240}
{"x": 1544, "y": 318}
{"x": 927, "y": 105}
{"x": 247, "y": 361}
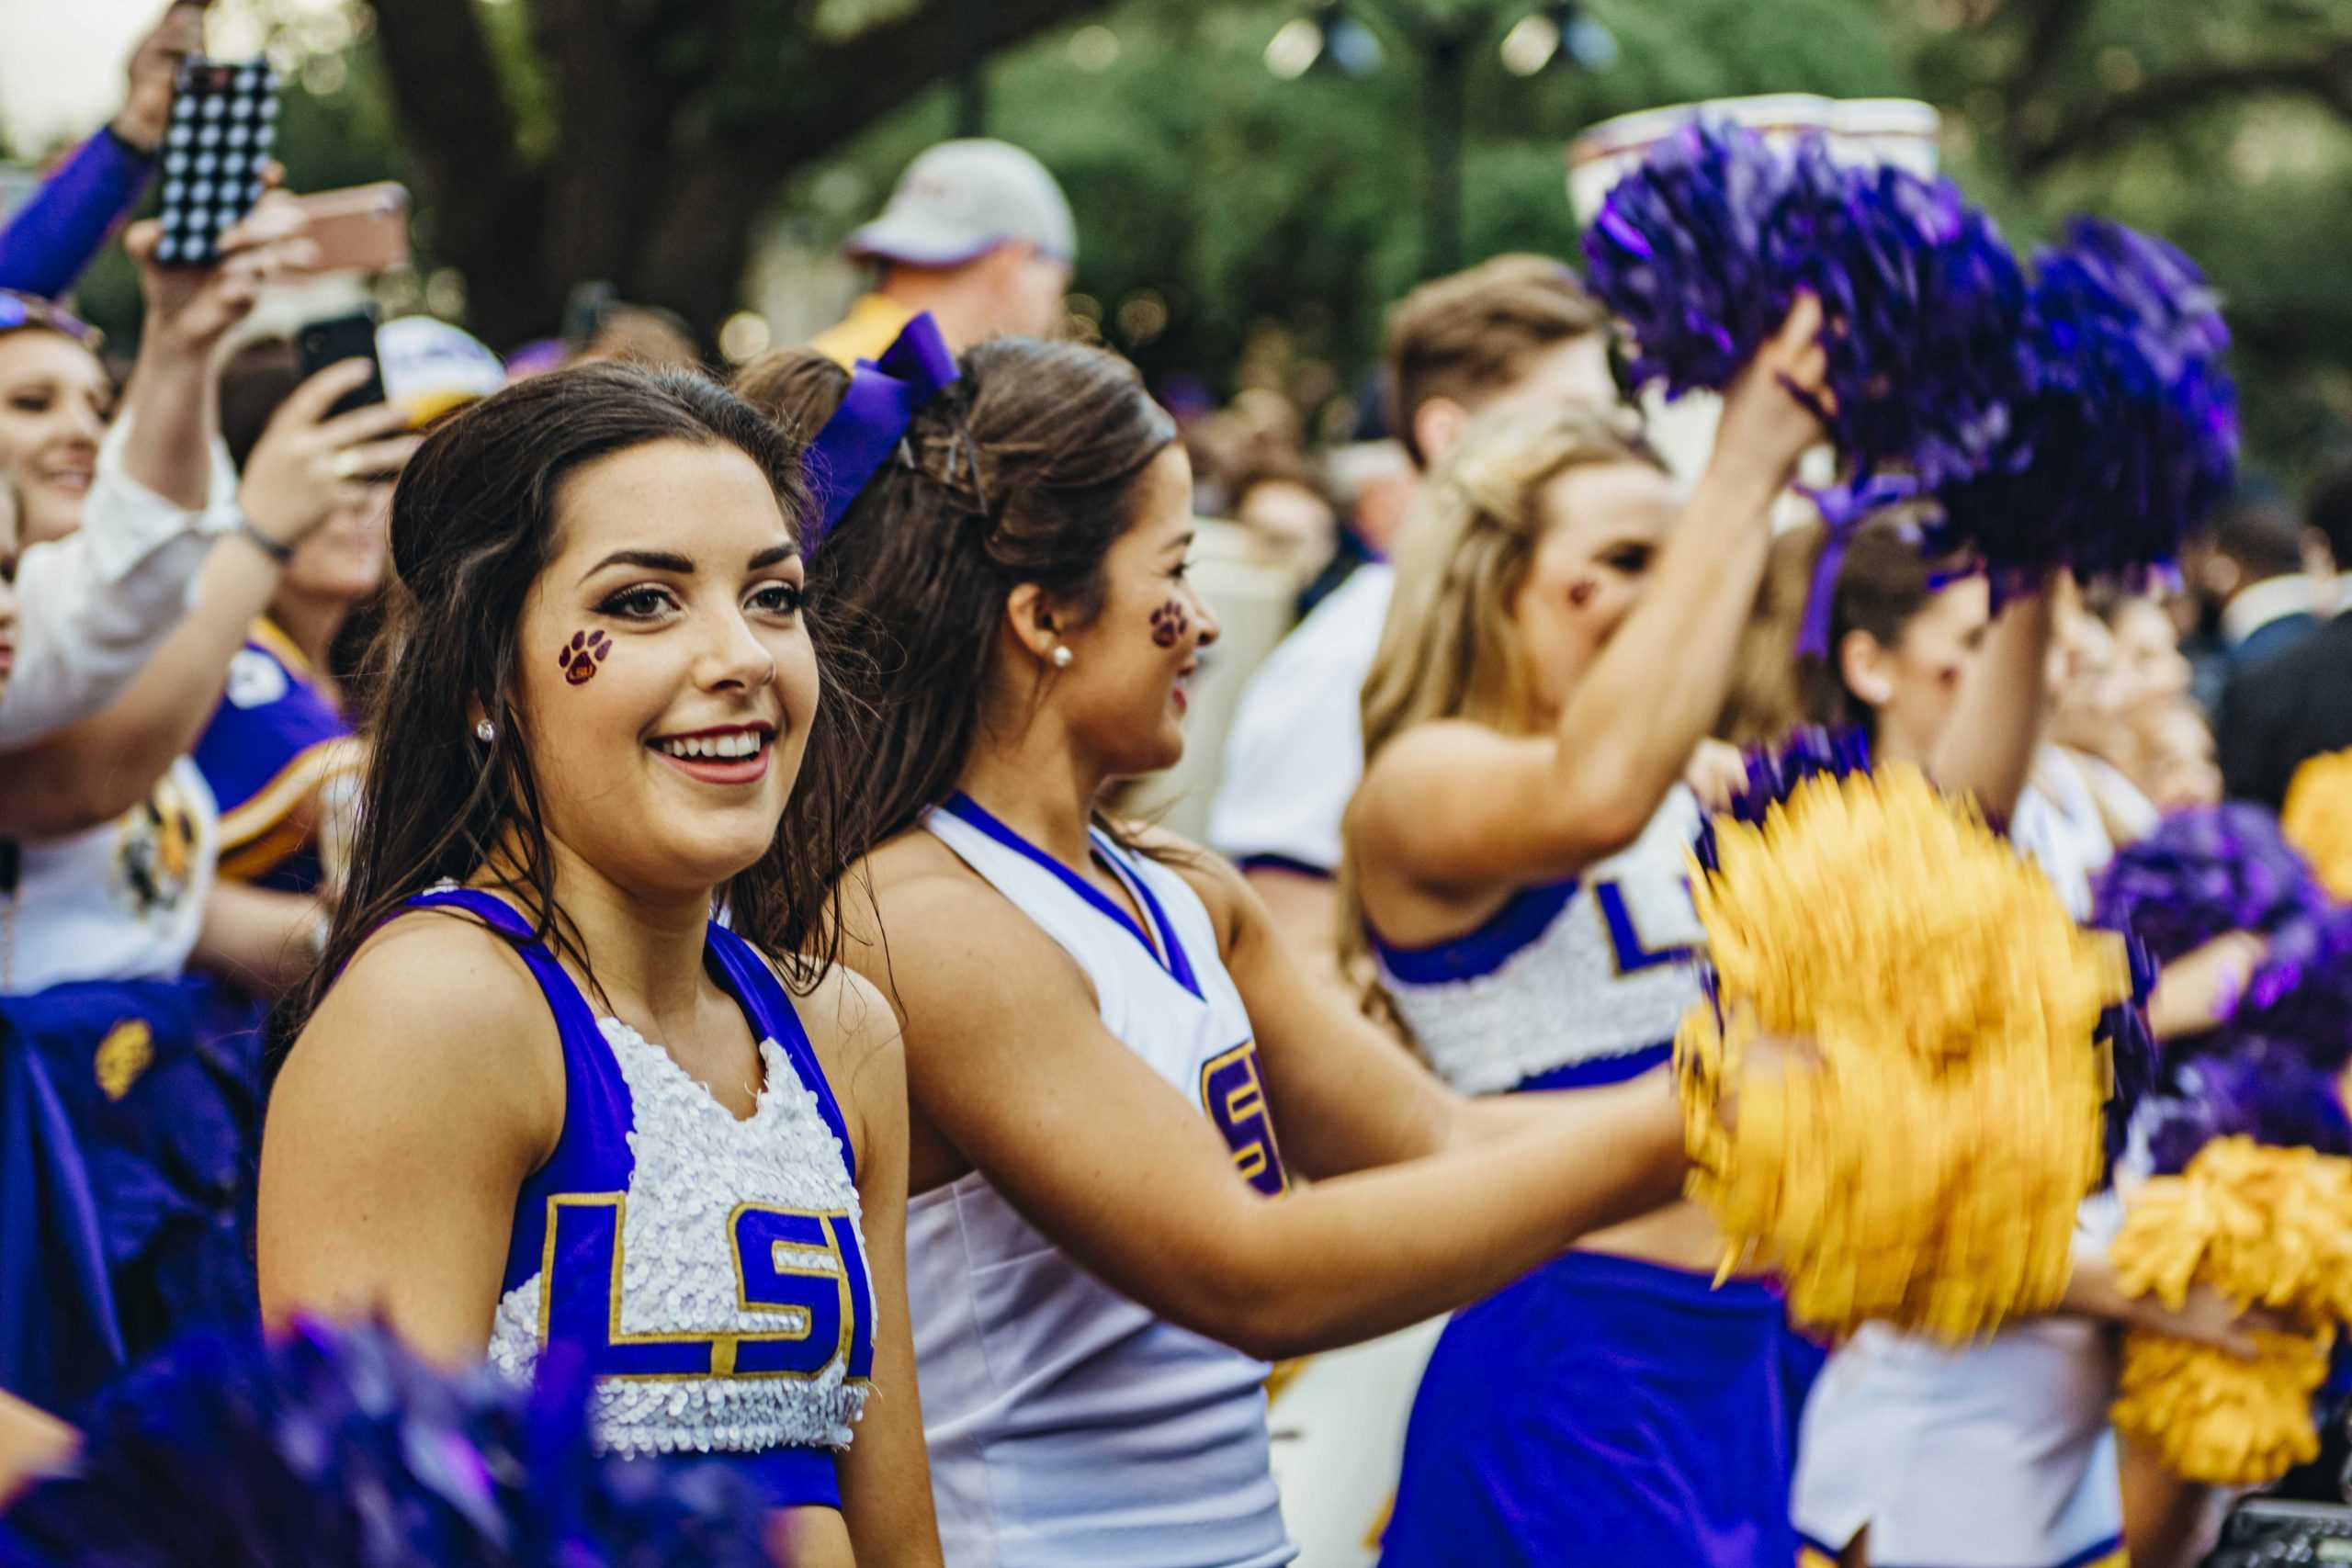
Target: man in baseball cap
{"x": 978, "y": 234}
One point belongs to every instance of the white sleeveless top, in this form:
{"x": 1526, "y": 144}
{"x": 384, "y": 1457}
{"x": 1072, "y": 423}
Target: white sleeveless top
{"x": 1070, "y": 1427}
{"x": 1566, "y": 975}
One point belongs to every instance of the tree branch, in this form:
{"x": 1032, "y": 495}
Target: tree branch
{"x": 866, "y": 77}
{"x": 2054, "y": 22}
{"x": 2322, "y": 74}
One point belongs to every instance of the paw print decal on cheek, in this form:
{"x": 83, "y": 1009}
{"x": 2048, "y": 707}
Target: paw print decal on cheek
{"x": 580, "y": 656}
{"x": 1169, "y": 623}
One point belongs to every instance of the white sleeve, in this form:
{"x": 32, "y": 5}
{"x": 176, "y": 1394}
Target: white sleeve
{"x": 93, "y": 607}
{"x": 1295, "y": 754}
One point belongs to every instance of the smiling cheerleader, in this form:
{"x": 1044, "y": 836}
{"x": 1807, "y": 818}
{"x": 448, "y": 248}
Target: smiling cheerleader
{"x": 541, "y": 1094}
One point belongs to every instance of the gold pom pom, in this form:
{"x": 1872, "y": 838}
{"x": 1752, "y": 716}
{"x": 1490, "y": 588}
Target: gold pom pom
{"x": 2265, "y": 1226}
{"x": 1928, "y": 1173}
{"x": 2214, "y": 1419}
{"x": 2318, "y": 818}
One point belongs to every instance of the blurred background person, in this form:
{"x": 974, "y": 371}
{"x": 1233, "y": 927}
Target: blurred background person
{"x": 2283, "y": 710}
{"x": 2247, "y": 575}
{"x": 1282, "y": 500}
{"x": 1516, "y": 330}
{"x": 978, "y": 234}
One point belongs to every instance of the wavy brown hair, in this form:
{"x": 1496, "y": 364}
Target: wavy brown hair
{"x": 1022, "y": 471}
{"x": 475, "y": 520}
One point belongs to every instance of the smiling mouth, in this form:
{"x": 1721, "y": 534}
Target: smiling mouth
{"x": 736, "y": 754}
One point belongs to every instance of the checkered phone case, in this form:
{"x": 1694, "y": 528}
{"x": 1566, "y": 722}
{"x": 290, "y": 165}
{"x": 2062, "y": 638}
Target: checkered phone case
{"x": 224, "y": 118}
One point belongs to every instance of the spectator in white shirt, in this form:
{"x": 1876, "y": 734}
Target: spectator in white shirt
{"x": 112, "y": 612}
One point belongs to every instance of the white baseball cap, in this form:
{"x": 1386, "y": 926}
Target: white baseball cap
{"x": 962, "y": 199}
{"x": 431, "y": 367}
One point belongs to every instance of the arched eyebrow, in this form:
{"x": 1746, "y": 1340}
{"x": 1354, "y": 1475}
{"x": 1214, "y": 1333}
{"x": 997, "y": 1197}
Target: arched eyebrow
{"x": 651, "y": 560}
{"x": 684, "y": 566}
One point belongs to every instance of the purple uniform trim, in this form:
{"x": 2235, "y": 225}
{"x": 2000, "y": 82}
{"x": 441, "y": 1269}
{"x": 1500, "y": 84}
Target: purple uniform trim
{"x": 1526, "y": 916}
{"x": 1168, "y": 950}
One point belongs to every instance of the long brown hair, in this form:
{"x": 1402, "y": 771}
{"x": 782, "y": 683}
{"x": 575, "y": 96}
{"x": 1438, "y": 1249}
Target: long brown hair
{"x": 1883, "y": 582}
{"x": 1021, "y": 471}
{"x": 1450, "y": 648}
{"x": 474, "y": 523}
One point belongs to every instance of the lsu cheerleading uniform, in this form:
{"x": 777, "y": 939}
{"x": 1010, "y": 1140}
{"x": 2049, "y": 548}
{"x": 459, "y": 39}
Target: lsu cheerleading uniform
{"x": 1995, "y": 1455}
{"x": 1070, "y": 1427}
{"x": 714, "y": 1269}
{"x": 1602, "y": 1409}
{"x": 275, "y": 741}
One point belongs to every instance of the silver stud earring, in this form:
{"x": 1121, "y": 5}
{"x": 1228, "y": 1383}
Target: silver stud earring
{"x": 485, "y": 731}
{"x": 1062, "y": 656}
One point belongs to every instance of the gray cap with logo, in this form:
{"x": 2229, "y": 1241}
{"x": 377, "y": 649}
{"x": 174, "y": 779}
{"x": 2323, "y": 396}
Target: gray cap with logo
{"x": 962, "y": 199}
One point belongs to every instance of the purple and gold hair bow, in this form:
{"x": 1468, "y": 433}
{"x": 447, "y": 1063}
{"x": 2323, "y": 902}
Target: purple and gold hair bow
{"x": 883, "y": 396}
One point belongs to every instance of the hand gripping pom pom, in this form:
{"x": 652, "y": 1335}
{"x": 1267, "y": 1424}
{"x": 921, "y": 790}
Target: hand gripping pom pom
{"x": 1928, "y": 1172}
{"x": 2266, "y": 1227}
{"x": 1702, "y": 250}
{"x": 341, "y": 1449}
{"x": 2317, "y": 819}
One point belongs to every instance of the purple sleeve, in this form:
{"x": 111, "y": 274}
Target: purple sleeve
{"x": 61, "y": 228}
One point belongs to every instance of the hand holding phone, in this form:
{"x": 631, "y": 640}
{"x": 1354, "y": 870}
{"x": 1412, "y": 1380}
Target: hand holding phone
{"x": 320, "y": 343}
{"x": 224, "y": 120}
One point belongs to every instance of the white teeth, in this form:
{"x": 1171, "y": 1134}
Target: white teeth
{"x": 732, "y": 746}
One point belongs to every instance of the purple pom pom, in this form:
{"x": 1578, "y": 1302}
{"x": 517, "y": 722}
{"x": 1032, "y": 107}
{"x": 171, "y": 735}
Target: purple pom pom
{"x": 2270, "y": 1069}
{"x": 2263, "y": 1088}
{"x": 336, "y": 1448}
{"x": 1703, "y": 248}
{"x": 2129, "y": 433}
{"x": 2218, "y": 869}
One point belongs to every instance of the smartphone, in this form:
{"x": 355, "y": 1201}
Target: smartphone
{"x": 224, "y": 120}
{"x": 359, "y": 229}
{"x": 318, "y": 344}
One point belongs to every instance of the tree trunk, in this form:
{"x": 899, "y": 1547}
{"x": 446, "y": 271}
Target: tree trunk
{"x": 652, "y": 185}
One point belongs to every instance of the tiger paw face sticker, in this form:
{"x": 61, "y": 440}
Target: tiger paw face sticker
{"x": 580, "y": 656}
{"x": 1169, "y": 625}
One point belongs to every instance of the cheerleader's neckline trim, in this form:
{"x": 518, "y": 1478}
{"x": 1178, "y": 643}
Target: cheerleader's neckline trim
{"x": 1168, "y": 952}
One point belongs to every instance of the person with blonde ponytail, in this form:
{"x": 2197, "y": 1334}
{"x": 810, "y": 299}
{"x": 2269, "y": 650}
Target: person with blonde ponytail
{"x": 1563, "y": 637}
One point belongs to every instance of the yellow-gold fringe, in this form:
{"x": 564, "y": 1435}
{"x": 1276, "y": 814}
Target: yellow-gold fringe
{"x": 1928, "y": 1172}
{"x": 2265, "y": 1226}
{"x": 2317, "y": 819}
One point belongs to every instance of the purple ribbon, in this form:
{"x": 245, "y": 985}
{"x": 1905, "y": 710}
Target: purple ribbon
{"x": 882, "y": 397}
{"x": 1843, "y": 508}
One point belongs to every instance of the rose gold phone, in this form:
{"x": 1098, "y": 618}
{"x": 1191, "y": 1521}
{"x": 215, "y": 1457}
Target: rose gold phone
{"x": 361, "y": 229}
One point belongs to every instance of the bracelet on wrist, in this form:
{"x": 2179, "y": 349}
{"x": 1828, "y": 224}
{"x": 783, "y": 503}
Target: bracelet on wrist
{"x": 277, "y": 550}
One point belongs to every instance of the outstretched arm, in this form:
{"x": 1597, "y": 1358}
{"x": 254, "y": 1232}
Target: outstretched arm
{"x": 49, "y": 241}
{"x": 1007, "y": 1059}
